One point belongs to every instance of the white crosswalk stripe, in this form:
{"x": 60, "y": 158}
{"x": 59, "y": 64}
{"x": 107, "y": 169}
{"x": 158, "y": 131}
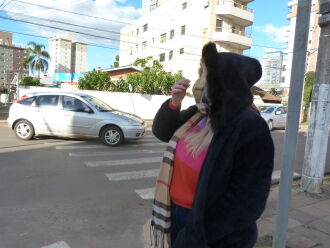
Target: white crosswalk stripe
{"x": 60, "y": 244}
{"x": 112, "y": 153}
{"x": 124, "y": 162}
{"x": 121, "y": 176}
{"x": 146, "y": 194}
{"x": 79, "y": 147}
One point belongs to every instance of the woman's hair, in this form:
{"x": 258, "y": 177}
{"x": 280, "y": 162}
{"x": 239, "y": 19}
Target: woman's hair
{"x": 198, "y": 140}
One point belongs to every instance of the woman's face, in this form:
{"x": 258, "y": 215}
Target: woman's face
{"x": 200, "y": 83}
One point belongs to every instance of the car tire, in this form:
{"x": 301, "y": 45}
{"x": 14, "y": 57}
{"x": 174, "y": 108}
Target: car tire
{"x": 112, "y": 136}
{"x": 270, "y": 125}
{"x": 24, "y": 130}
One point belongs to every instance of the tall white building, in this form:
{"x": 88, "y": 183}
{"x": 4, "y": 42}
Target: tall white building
{"x": 67, "y": 56}
{"x": 174, "y": 32}
{"x": 78, "y": 57}
{"x": 313, "y": 40}
{"x": 272, "y": 68}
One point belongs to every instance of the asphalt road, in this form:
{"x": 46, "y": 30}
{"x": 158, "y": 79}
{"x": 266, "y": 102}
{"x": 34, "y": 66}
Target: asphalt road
{"x": 67, "y": 193}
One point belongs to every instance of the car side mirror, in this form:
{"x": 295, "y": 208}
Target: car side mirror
{"x": 278, "y": 112}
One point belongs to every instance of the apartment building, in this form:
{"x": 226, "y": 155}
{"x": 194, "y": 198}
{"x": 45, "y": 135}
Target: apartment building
{"x": 174, "y": 32}
{"x": 10, "y": 59}
{"x": 67, "y": 56}
{"x": 313, "y": 40}
{"x": 272, "y": 67}
{"x": 6, "y": 38}
{"x": 78, "y": 57}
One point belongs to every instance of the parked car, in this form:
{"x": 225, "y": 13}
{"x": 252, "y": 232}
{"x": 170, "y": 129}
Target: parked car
{"x": 72, "y": 115}
{"x": 274, "y": 115}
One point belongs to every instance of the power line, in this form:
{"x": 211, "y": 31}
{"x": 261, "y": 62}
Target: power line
{"x": 121, "y": 22}
{"x": 82, "y": 33}
{"x": 95, "y": 45}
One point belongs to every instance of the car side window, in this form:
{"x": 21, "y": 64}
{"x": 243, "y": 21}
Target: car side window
{"x": 27, "y": 101}
{"x": 47, "y": 101}
{"x": 281, "y": 110}
{"x": 74, "y": 104}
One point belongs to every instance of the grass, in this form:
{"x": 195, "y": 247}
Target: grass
{"x": 305, "y": 123}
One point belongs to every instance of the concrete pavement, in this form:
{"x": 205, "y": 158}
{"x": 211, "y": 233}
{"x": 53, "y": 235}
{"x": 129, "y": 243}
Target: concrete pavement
{"x": 309, "y": 219}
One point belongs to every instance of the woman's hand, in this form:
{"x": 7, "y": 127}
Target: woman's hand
{"x": 179, "y": 91}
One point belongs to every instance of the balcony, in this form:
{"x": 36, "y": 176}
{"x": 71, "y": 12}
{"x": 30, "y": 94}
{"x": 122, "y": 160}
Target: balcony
{"x": 238, "y": 13}
{"x": 233, "y": 38}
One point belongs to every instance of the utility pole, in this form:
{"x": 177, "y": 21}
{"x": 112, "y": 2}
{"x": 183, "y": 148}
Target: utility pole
{"x": 317, "y": 139}
{"x": 291, "y": 133}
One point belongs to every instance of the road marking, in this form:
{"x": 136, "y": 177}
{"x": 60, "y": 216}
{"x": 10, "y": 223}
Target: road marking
{"x": 79, "y": 147}
{"x": 60, "y": 244}
{"x": 113, "y": 153}
{"x": 121, "y": 176}
{"x": 124, "y": 162}
{"x": 146, "y": 194}
{"x": 147, "y": 144}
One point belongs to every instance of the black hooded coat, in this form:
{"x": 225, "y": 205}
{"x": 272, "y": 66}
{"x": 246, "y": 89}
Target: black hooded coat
{"x": 235, "y": 178}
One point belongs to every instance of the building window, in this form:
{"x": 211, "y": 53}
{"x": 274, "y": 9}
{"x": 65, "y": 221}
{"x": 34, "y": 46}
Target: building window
{"x": 153, "y": 40}
{"x": 172, "y": 34}
{"x": 137, "y": 47}
{"x": 137, "y": 32}
{"x": 170, "y": 55}
{"x": 144, "y": 45}
{"x": 162, "y": 38}
{"x": 184, "y": 5}
{"x": 131, "y": 51}
{"x": 183, "y": 30}
{"x": 162, "y": 57}
{"x": 181, "y": 50}
{"x": 218, "y": 26}
{"x": 145, "y": 27}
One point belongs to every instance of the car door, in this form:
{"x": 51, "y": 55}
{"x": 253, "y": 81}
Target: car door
{"x": 78, "y": 117}
{"x": 281, "y": 116}
{"x": 47, "y": 114}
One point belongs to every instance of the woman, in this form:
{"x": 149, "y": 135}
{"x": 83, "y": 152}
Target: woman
{"x": 216, "y": 172}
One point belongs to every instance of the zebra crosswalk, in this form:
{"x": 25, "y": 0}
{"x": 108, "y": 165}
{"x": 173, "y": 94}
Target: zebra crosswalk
{"x": 134, "y": 160}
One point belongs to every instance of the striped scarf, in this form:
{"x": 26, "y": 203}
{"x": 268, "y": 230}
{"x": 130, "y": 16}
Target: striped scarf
{"x": 161, "y": 210}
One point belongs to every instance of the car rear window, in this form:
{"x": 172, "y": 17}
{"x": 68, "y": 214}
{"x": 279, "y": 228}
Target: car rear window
{"x": 27, "y": 101}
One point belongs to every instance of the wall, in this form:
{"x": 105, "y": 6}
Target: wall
{"x": 145, "y": 106}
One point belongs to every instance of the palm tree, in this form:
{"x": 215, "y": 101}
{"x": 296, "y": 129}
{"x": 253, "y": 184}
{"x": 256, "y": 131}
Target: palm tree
{"x": 37, "y": 60}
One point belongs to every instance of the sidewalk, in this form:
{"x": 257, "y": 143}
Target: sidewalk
{"x": 309, "y": 219}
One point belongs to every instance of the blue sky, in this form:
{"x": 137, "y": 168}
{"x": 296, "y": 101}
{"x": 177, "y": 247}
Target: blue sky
{"x": 267, "y": 30}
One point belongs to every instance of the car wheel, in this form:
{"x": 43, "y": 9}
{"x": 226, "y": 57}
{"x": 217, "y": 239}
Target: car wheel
{"x": 270, "y": 125}
{"x": 112, "y": 136}
{"x": 24, "y": 130}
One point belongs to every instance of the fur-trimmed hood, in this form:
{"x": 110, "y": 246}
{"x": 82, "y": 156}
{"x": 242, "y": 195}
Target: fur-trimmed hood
{"x": 229, "y": 78}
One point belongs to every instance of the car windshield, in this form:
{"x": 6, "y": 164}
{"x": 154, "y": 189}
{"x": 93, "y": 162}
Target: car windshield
{"x": 266, "y": 109}
{"x": 98, "y": 104}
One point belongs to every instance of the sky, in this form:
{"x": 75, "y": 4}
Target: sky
{"x": 268, "y": 30}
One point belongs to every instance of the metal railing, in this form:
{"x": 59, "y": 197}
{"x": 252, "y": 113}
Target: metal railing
{"x": 234, "y": 31}
{"x": 235, "y": 4}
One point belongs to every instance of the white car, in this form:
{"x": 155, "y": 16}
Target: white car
{"x": 72, "y": 115}
{"x": 274, "y": 115}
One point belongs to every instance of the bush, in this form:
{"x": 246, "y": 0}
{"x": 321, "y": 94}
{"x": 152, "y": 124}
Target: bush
{"x": 29, "y": 81}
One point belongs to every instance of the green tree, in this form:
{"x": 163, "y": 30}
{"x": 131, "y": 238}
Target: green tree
{"x": 153, "y": 79}
{"x": 37, "y": 60}
{"x": 273, "y": 91}
{"x": 116, "y": 62}
{"x": 95, "y": 80}
{"x": 308, "y": 88}
{"x": 29, "y": 81}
